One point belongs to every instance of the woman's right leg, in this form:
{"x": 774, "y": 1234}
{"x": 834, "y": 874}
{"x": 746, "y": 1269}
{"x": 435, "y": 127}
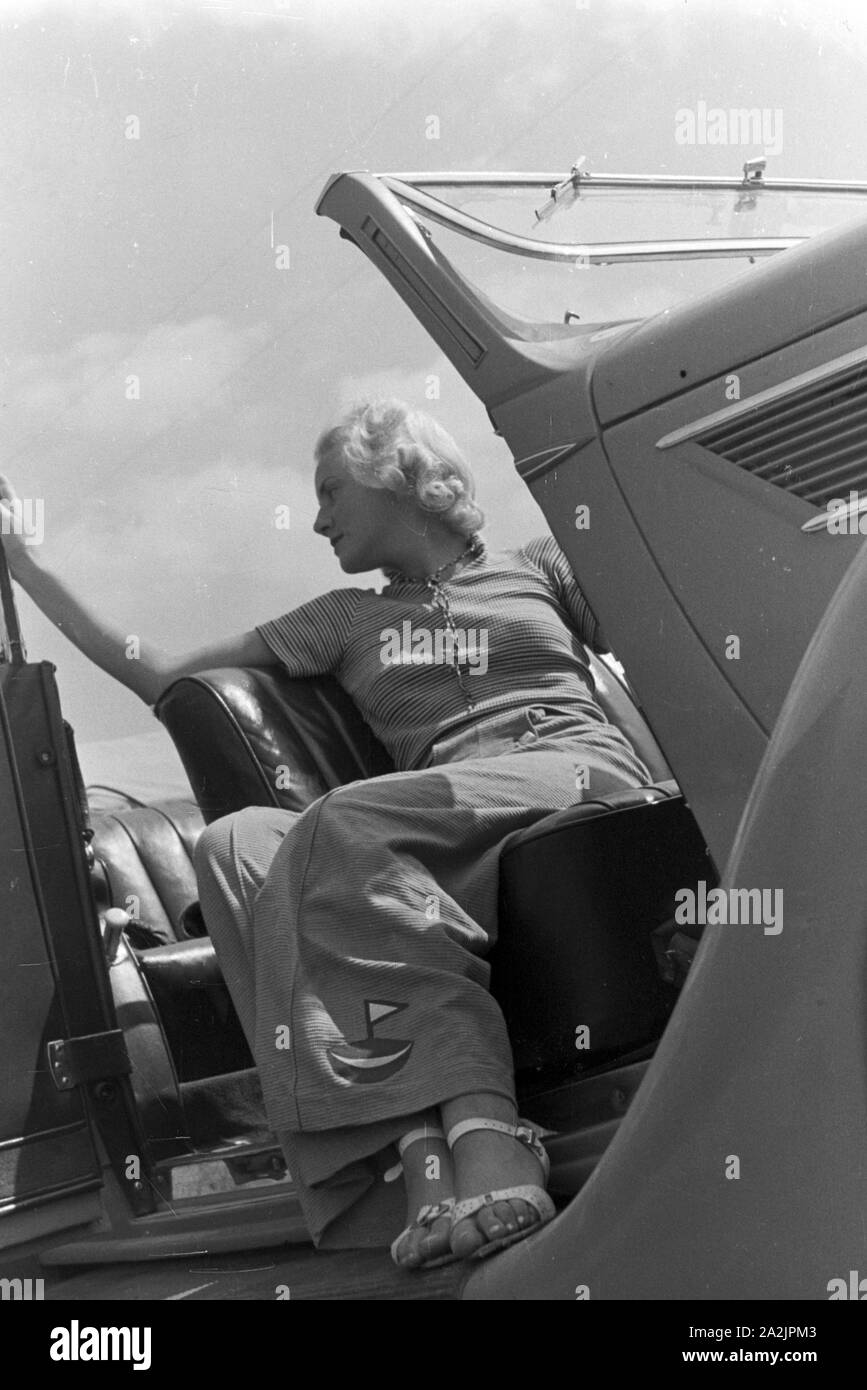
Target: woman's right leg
{"x": 232, "y": 858}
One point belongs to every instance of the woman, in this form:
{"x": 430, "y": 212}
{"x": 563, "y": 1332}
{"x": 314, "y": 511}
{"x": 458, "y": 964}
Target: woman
{"x": 352, "y": 935}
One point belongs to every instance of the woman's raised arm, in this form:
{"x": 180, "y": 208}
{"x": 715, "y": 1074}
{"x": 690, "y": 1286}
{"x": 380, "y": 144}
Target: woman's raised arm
{"x": 245, "y": 649}
{"x": 142, "y": 666}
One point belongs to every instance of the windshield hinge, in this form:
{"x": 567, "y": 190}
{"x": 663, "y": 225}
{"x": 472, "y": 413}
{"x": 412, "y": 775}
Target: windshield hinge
{"x": 754, "y": 169}
{"x": 754, "y": 176}
{"x": 565, "y": 193}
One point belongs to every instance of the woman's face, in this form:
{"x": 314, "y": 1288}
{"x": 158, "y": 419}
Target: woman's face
{"x": 364, "y": 525}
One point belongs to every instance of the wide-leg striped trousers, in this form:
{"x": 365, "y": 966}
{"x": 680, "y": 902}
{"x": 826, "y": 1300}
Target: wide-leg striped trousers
{"x": 352, "y": 937}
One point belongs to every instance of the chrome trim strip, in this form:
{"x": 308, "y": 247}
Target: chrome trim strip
{"x": 594, "y": 253}
{"x": 505, "y": 178}
{"x": 822, "y": 521}
{"x": 534, "y": 465}
{"x": 773, "y": 393}
{"x": 40, "y": 1135}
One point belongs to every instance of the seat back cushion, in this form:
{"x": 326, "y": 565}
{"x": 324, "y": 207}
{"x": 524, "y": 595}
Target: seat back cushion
{"x": 258, "y": 737}
{"x": 143, "y": 862}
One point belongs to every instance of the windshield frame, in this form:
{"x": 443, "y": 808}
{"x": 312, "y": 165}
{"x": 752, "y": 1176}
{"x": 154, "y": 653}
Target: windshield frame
{"x": 410, "y": 191}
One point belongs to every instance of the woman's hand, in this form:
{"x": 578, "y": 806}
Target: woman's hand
{"x": 14, "y": 543}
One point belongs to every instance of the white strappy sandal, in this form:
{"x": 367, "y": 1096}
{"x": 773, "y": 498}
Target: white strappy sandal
{"x": 427, "y": 1215}
{"x": 534, "y": 1196}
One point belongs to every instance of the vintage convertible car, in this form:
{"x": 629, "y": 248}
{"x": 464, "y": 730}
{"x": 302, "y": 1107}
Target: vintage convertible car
{"x": 681, "y": 377}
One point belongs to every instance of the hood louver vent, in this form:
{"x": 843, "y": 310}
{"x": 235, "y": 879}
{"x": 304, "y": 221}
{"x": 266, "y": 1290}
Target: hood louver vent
{"x": 808, "y": 435}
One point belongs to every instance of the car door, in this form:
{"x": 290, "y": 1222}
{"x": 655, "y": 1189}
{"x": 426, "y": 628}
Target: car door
{"x": 66, "y": 1063}
{"x": 49, "y": 1169}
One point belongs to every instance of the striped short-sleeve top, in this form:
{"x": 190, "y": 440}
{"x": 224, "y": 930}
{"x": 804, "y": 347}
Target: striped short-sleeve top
{"x": 519, "y": 622}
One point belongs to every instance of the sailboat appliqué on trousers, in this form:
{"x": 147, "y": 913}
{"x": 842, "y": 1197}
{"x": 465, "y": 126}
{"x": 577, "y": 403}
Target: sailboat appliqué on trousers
{"x": 371, "y": 1058}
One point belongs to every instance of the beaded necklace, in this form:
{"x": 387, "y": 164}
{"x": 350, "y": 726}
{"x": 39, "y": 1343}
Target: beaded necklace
{"x": 474, "y": 549}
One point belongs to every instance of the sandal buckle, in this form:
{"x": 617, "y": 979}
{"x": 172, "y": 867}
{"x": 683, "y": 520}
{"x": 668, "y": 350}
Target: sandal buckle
{"x": 528, "y": 1136}
{"x": 433, "y": 1213}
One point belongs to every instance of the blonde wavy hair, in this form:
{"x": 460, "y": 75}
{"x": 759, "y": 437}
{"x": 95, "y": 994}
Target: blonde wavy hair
{"x": 386, "y": 444}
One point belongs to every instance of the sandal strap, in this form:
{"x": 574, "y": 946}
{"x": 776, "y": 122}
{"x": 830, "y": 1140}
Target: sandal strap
{"x": 427, "y": 1215}
{"x": 429, "y": 1132}
{"x": 433, "y": 1211}
{"x": 535, "y": 1197}
{"x": 523, "y": 1131}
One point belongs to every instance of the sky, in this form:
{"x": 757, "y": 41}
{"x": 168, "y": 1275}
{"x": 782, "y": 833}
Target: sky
{"x": 154, "y": 155}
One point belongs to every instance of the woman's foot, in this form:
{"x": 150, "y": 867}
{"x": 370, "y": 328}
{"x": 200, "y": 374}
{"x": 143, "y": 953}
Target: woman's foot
{"x": 486, "y": 1161}
{"x": 429, "y": 1180}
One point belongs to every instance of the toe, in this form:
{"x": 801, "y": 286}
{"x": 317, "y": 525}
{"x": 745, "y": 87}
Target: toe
{"x": 525, "y": 1215}
{"x": 408, "y": 1252}
{"x": 495, "y": 1220}
{"x": 435, "y": 1240}
{"x": 505, "y": 1219}
{"x": 422, "y": 1243}
{"x": 466, "y": 1237}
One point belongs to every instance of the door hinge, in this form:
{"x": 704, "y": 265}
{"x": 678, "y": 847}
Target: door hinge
{"x": 94, "y": 1057}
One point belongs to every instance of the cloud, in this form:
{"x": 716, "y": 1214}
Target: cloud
{"x": 394, "y": 29}
{"x": 381, "y": 26}
{"x": 132, "y": 387}
{"x": 184, "y": 558}
{"x": 176, "y": 484}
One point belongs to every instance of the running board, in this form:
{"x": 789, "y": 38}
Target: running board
{"x": 206, "y": 1225}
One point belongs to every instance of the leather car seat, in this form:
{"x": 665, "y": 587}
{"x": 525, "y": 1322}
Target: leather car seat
{"x": 142, "y": 861}
{"x": 592, "y": 883}
{"x": 286, "y": 742}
